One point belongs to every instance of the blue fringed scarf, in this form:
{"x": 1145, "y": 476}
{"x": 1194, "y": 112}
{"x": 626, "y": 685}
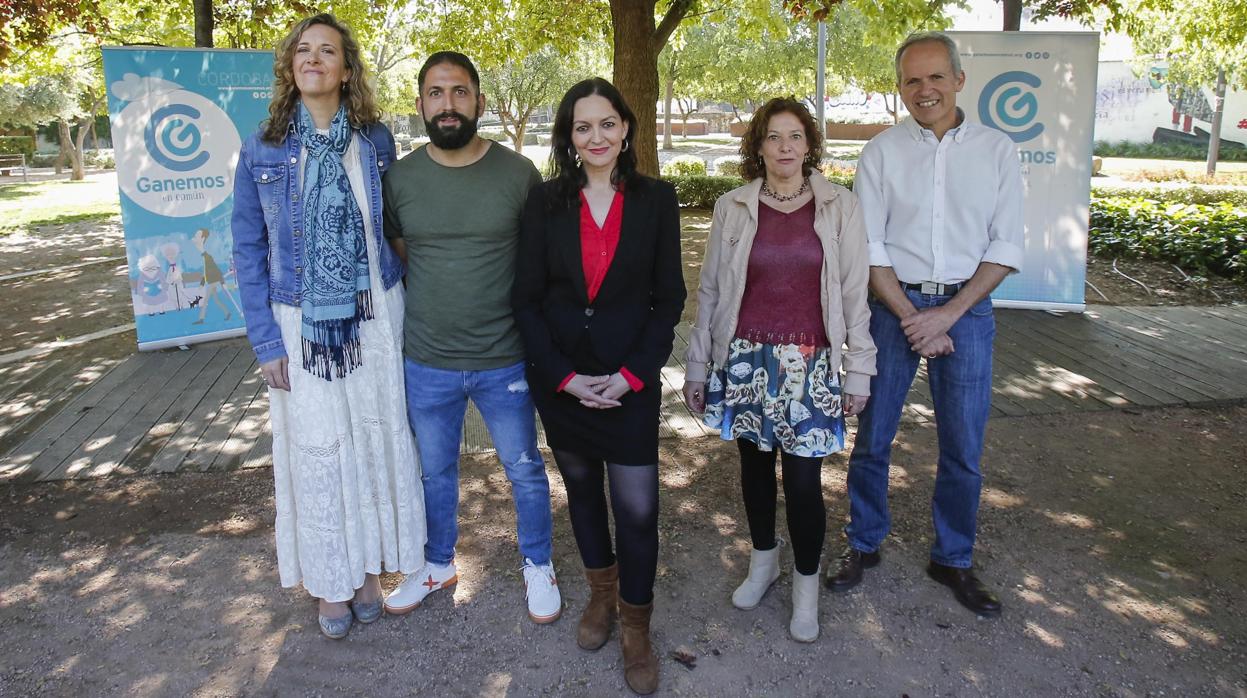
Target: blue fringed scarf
{"x": 335, "y": 293}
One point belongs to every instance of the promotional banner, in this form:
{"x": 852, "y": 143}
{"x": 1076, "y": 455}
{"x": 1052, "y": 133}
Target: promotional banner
{"x": 178, "y": 120}
{"x": 1040, "y": 89}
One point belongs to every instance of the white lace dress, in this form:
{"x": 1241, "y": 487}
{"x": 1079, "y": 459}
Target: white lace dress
{"x": 349, "y": 496}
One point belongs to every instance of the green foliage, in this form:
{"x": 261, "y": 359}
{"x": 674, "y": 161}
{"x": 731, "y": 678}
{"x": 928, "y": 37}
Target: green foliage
{"x": 1206, "y": 196}
{"x": 1196, "y": 37}
{"x": 101, "y": 158}
{"x": 700, "y": 191}
{"x": 1167, "y": 151}
{"x": 839, "y": 176}
{"x": 1206, "y": 239}
{"x": 1182, "y": 175}
{"x": 727, "y": 166}
{"x": 684, "y": 166}
{"x": 18, "y": 145}
{"x": 743, "y": 54}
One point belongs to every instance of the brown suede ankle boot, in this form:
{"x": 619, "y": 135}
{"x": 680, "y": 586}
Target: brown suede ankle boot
{"x": 640, "y": 663}
{"x": 599, "y": 616}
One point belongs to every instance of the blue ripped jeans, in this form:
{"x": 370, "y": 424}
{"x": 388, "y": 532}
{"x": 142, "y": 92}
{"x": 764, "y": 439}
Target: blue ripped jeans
{"x": 436, "y": 402}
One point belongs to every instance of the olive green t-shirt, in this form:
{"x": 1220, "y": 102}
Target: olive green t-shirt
{"x": 461, "y": 228}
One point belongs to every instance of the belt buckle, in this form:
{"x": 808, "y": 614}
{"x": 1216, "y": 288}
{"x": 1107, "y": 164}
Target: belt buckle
{"x": 931, "y": 288}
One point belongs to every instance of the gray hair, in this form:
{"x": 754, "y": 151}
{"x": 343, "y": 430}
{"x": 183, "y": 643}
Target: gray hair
{"x": 933, "y": 37}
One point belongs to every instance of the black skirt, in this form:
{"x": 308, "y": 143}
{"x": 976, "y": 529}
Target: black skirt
{"x": 627, "y": 435}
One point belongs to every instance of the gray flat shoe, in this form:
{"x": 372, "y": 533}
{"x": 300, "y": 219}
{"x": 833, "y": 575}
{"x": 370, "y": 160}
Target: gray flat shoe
{"x": 367, "y": 612}
{"x": 335, "y": 628}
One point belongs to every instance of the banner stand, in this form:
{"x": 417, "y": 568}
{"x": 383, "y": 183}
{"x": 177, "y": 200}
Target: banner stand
{"x": 178, "y": 119}
{"x": 1039, "y": 88}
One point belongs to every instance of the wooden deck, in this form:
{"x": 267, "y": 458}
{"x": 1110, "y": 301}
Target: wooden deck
{"x": 206, "y": 409}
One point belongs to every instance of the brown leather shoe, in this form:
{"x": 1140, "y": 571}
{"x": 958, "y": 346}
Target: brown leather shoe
{"x": 599, "y": 616}
{"x": 848, "y": 573}
{"x": 970, "y": 592}
{"x": 640, "y": 662}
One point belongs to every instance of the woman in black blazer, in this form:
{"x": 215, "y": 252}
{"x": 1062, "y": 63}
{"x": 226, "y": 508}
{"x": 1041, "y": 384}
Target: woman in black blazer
{"x": 598, "y": 291}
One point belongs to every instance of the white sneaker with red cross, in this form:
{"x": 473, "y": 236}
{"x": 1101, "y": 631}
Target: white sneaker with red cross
{"x": 428, "y": 579}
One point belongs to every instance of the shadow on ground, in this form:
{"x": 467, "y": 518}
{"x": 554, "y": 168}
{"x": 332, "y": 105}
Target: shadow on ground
{"x": 1114, "y": 539}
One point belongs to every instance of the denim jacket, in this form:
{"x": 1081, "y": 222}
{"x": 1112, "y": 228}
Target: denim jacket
{"x": 267, "y": 225}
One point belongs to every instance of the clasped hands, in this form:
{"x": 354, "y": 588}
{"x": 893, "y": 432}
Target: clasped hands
{"x": 598, "y": 392}
{"x": 927, "y": 331}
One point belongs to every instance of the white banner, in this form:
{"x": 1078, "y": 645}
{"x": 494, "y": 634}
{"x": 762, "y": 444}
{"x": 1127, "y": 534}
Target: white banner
{"x": 1039, "y": 88}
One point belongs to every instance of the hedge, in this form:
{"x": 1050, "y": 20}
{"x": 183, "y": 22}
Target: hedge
{"x": 1168, "y": 151}
{"x": 18, "y": 145}
{"x": 701, "y": 191}
{"x": 684, "y": 166}
{"x": 1205, "y": 239}
{"x": 1174, "y": 195}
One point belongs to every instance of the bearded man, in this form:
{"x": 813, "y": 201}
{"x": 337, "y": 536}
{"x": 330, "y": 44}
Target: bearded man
{"x": 452, "y": 212}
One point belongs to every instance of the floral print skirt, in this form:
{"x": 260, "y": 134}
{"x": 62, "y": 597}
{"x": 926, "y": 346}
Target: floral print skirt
{"x": 777, "y": 395}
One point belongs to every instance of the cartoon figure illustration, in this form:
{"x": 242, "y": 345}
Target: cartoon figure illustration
{"x": 212, "y": 278}
{"x": 152, "y": 295}
{"x": 173, "y": 274}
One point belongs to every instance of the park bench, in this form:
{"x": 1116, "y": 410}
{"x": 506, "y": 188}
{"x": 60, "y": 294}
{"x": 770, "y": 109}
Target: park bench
{"x": 9, "y": 163}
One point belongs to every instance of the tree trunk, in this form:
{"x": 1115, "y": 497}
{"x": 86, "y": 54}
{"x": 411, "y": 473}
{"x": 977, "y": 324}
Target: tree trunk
{"x": 203, "y": 23}
{"x": 1218, "y": 113}
{"x": 1013, "y": 15}
{"x": 521, "y": 128}
{"x": 77, "y": 173}
{"x": 668, "y": 88}
{"x": 637, "y": 45}
{"x": 84, "y": 125}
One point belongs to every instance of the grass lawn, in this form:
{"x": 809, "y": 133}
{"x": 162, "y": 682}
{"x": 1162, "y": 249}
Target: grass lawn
{"x": 24, "y": 206}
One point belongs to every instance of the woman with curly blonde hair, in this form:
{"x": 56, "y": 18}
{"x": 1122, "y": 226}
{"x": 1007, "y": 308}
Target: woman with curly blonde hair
{"x": 316, "y": 278}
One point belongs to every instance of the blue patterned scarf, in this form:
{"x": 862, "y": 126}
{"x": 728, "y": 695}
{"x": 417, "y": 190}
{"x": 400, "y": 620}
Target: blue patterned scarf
{"x": 335, "y": 293}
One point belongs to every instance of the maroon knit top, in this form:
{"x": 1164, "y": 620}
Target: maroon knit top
{"x": 783, "y": 302}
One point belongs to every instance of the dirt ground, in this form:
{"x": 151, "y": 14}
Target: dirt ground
{"x": 1115, "y": 539}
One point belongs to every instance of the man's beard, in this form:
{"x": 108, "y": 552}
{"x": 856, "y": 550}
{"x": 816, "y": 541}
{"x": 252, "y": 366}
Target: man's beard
{"x": 451, "y": 137}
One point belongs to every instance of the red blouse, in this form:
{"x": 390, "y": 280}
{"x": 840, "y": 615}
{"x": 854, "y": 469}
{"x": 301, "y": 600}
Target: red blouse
{"x": 597, "y": 251}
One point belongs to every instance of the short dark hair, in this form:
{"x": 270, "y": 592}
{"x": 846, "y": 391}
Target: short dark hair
{"x": 569, "y": 178}
{"x": 453, "y": 58}
{"x": 751, "y": 166}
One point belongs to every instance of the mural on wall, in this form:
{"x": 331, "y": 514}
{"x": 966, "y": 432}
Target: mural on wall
{"x": 1151, "y": 109}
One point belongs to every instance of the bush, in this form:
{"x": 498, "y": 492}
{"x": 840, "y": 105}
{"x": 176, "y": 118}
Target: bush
{"x": 684, "y": 166}
{"x": 102, "y": 158}
{"x": 727, "y": 166}
{"x": 839, "y": 175}
{"x": 1174, "y": 195}
{"x": 1197, "y": 237}
{"x": 700, "y": 191}
{"x": 1179, "y": 175}
{"x": 18, "y": 145}
{"x": 1167, "y": 151}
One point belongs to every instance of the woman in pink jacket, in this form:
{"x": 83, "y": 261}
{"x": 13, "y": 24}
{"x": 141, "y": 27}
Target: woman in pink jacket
{"x": 783, "y": 290}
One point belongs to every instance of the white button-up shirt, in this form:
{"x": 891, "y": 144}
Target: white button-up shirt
{"x": 935, "y": 209}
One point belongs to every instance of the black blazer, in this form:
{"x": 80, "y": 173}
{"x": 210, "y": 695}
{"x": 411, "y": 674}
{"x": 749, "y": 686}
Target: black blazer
{"x": 631, "y": 321}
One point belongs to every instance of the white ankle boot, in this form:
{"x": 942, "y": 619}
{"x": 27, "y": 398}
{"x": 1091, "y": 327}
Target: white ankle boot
{"x": 763, "y": 571}
{"x": 804, "y": 625}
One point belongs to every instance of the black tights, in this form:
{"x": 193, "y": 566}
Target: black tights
{"x": 634, "y": 500}
{"x": 803, "y": 496}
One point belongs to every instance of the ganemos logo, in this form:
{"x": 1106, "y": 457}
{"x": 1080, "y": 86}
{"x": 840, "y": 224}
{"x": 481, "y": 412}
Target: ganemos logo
{"x": 1010, "y": 108}
{"x": 173, "y": 142}
{"x": 174, "y": 148}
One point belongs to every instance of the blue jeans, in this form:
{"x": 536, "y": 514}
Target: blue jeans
{"x": 961, "y": 390}
{"x": 436, "y": 402}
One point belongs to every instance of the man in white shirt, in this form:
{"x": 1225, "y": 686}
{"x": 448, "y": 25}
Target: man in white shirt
{"x": 942, "y": 200}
